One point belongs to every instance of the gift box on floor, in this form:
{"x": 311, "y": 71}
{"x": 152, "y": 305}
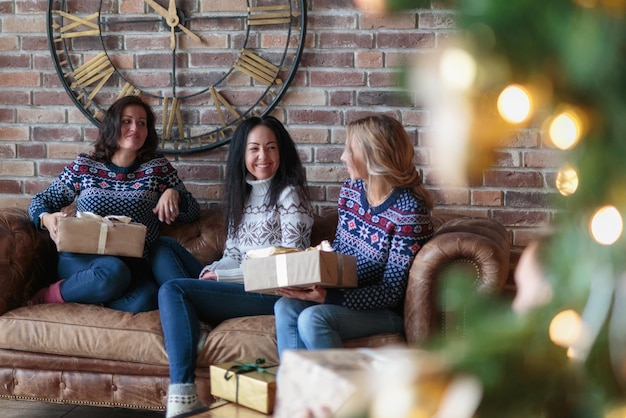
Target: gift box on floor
{"x": 301, "y": 269}
{"x": 248, "y": 383}
{"x": 343, "y": 383}
{"x": 92, "y": 234}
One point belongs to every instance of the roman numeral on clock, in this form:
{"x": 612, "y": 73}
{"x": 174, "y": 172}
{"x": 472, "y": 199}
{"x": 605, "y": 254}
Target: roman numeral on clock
{"x": 70, "y": 30}
{"x": 258, "y": 68}
{"x": 172, "y": 115}
{"x": 269, "y": 15}
{"x": 97, "y": 69}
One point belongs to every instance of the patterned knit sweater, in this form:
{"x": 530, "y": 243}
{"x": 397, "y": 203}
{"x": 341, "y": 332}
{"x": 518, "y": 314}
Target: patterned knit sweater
{"x": 106, "y": 189}
{"x": 288, "y": 224}
{"x": 384, "y": 239}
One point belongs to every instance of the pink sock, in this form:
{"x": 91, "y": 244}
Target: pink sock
{"x": 50, "y": 294}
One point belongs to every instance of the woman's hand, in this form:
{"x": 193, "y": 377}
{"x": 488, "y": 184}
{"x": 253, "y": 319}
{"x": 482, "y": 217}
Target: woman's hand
{"x": 50, "y": 221}
{"x": 208, "y": 275}
{"x": 167, "y": 206}
{"x": 316, "y": 294}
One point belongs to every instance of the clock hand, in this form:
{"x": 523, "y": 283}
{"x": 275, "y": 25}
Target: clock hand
{"x": 172, "y": 19}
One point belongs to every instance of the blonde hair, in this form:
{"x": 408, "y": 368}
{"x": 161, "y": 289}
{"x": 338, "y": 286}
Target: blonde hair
{"x": 388, "y": 152}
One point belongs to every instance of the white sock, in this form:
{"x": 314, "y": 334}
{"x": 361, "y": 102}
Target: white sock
{"x": 183, "y": 401}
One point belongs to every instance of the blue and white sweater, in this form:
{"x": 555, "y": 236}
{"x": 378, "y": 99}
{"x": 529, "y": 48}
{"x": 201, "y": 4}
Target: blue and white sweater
{"x": 106, "y": 189}
{"x": 384, "y": 239}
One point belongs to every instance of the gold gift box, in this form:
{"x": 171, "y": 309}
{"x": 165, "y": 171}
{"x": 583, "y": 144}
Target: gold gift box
{"x": 301, "y": 269}
{"x": 96, "y": 235}
{"x": 253, "y": 389}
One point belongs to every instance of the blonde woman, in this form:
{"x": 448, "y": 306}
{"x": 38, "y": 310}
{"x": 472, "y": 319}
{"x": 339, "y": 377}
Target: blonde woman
{"x": 384, "y": 220}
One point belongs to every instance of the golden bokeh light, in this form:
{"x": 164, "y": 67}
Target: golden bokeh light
{"x": 457, "y": 68}
{"x": 606, "y": 225}
{"x": 566, "y": 328}
{"x": 567, "y": 180}
{"x": 515, "y": 104}
{"x": 565, "y": 129}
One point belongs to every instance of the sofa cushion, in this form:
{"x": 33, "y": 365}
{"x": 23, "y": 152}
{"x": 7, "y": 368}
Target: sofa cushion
{"x": 91, "y": 331}
{"x": 84, "y": 331}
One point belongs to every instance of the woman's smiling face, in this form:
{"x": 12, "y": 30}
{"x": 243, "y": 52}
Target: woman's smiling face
{"x": 262, "y": 153}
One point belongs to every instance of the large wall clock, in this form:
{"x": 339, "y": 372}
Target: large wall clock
{"x": 203, "y": 65}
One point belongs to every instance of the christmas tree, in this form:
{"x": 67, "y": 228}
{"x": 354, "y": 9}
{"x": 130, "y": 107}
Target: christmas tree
{"x": 557, "y": 66}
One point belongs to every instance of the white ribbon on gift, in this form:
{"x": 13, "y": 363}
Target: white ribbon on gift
{"x": 105, "y": 223}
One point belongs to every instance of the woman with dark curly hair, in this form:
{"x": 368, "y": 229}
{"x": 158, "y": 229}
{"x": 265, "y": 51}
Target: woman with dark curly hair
{"x": 266, "y": 206}
{"x": 124, "y": 175}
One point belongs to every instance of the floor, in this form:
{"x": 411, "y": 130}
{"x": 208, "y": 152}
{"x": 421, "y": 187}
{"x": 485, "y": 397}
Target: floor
{"x": 27, "y": 409}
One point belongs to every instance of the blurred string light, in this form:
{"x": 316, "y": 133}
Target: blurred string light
{"x": 606, "y": 225}
{"x": 567, "y": 180}
{"x": 457, "y": 69}
{"x": 515, "y": 104}
{"x": 566, "y": 328}
{"x": 565, "y": 129}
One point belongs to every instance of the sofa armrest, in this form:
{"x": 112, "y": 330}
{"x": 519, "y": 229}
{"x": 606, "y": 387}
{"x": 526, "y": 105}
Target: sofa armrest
{"x": 27, "y": 258}
{"x": 480, "y": 244}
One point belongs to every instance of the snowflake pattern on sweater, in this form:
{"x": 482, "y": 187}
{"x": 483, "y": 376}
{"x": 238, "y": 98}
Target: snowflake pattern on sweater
{"x": 384, "y": 239}
{"x": 288, "y": 224}
{"x": 106, "y": 189}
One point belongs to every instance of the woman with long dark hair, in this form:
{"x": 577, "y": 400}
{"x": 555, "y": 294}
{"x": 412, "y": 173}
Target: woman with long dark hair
{"x": 266, "y": 205}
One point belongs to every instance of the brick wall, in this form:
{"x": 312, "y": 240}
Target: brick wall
{"x": 349, "y": 68}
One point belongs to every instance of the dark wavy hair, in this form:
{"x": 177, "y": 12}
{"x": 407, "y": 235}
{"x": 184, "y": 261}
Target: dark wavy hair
{"x": 110, "y": 128}
{"x": 290, "y": 170}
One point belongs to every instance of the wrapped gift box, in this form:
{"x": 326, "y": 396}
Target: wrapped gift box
{"x": 96, "y": 235}
{"x": 343, "y": 383}
{"x": 247, "y": 383}
{"x": 301, "y": 269}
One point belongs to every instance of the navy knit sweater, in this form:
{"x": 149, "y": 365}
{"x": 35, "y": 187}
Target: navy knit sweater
{"x": 384, "y": 239}
{"x": 106, "y": 189}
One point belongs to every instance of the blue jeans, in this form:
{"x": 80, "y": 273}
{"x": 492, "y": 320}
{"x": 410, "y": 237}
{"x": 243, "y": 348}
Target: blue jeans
{"x": 121, "y": 283}
{"x": 170, "y": 260}
{"x": 308, "y": 325}
{"x": 185, "y": 302}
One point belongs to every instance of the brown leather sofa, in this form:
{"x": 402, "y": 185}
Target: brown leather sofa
{"x": 86, "y": 354}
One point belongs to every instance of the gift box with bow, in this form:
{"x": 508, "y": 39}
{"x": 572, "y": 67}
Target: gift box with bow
{"x": 88, "y": 233}
{"x": 248, "y": 383}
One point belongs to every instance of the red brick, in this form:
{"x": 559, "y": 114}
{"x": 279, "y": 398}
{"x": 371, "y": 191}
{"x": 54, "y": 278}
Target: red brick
{"x": 384, "y": 78}
{"x": 443, "y": 20}
{"x": 196, "y": 171}
{"x": 327, "y": 174}
{"x": 51, "y": 168}
{"x": 13, "y": 133}
{"x": 334, "y": 78}
{"x": 10, "y": 187}
{"x": 9, "y": 43}
{"x": 411, "y": 40}
{"x": 13, "y": 61}
{"x": 26, "y": 7}
{"x": 314, "y": 117}
{"x": 513, "y": 178}
{"x": 350, "y": 40}
{"x": 524, "y": 218}
{"x": 341, "y": 98}
{"x": 7, "y": 150}
{"x": 405, "y": 20}
{"x": 31, "y": 151}
{"x": 544, "y": 158}
{"x": 486, "y": 198}
{"x": 316, "y": 22}
{"x": 327, "y": 59}
{"x": 328, "y": 155}
{"x": 63, "y": 133}
{"x": 7, "y": 115}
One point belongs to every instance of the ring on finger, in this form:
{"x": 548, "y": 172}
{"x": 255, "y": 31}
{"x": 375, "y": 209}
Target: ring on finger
{"x": 172, "y": 208}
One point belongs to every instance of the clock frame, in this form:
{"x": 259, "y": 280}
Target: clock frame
{"x": 203, "y": 65}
